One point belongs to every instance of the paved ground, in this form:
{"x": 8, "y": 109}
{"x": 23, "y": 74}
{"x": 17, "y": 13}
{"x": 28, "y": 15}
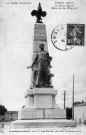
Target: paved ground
{"x": 79, "y": 130}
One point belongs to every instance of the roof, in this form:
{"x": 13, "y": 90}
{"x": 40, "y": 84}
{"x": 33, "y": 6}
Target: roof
{"x": 82, "y": 104}
{"x": 12, "y": 112}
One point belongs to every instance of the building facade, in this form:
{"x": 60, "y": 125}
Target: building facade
{"x": 80, "y": 113}
{"x": 9, "y": 116}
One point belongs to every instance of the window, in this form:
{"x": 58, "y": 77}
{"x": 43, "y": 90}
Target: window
{"x": 11, "y": 118}
{"x": 2, "y": 118}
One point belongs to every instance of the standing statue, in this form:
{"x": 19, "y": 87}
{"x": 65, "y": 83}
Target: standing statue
{"x": 42, "y": 76}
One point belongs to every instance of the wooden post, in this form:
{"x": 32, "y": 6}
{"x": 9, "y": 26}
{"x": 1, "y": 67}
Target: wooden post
{"x": 64, "y": 98}
{"x": 73, "y": 100}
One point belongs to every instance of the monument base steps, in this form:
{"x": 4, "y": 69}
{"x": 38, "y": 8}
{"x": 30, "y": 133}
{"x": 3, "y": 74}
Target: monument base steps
{"x": 47, "y": 123}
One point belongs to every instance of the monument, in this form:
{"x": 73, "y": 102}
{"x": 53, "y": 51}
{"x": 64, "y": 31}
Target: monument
{"x": 41, "y": 109}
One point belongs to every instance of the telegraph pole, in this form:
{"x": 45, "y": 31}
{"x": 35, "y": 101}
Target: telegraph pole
{"x": 73, "y": 100}
{"x": 64, "y": 98}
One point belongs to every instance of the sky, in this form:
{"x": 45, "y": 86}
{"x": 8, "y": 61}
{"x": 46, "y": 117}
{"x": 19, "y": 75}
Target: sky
{"x": 16, "y": 44}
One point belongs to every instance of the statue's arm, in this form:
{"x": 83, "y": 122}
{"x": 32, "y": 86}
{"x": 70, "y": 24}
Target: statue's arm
{"x": 35, "y": 60}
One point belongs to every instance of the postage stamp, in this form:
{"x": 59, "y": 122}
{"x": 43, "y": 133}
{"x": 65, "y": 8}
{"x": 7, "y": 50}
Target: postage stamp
{"x": 65, "y": 36}
{"x": 75, "y": 34}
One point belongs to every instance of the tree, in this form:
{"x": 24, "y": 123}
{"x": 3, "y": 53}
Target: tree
{"x": 2, "y": 110}
{"x": 69, "y": 113}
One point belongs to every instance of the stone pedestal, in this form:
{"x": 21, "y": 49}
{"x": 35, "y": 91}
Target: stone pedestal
{"x": 40, "y": 98}
{"x": 40, "y": 104}
{"x": 41, "y": 111}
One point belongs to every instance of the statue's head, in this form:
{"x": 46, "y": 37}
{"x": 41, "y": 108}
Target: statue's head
{"x": 41, "y": 46}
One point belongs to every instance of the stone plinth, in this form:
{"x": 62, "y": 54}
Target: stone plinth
{"x": 40, "y": 98}
{"x": 40, "y": 104}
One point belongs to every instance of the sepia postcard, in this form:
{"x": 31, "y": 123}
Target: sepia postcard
{"x": 43, "y": 67}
